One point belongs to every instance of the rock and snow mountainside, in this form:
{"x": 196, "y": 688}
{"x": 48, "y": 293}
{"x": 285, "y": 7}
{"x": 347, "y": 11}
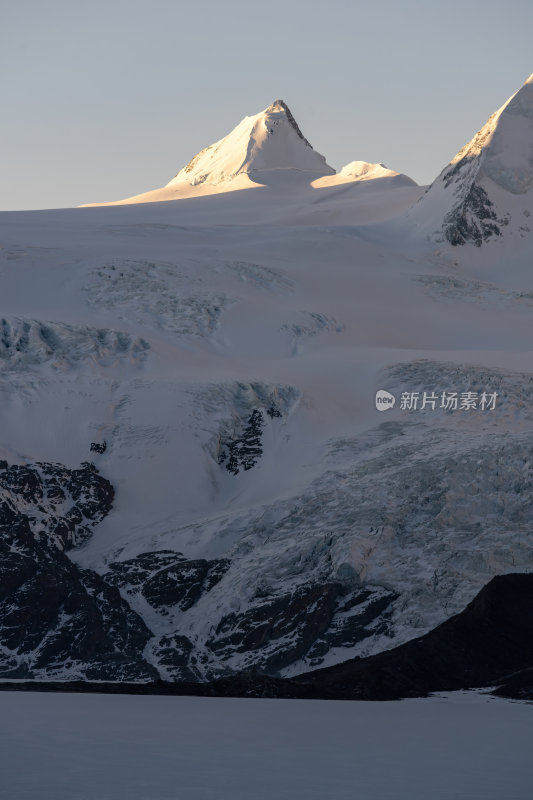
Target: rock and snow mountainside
{"x": 212, "y": 363}
{"x": 486, "y": 190}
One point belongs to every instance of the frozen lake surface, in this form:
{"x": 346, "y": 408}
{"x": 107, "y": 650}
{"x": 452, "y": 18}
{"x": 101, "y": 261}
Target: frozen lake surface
{"x": 117, "y": 747}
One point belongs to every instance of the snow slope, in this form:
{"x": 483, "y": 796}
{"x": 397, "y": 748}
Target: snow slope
{"x": 227, "y": 350}
{"x": 154, "y": 748}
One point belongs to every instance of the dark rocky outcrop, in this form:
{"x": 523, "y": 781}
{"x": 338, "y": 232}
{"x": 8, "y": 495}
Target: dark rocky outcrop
{"x": 167, "y": 579}
{"x": 358, "y": 615}
{"x": 60, "y": 504}
{"x": 173, "y": 653}
{"x": 474, "y": 220}
{"x": 489, "y": 644}
{"x": 241, "y": 445}
{"x": 278, "y": 631}
{"x": 55, "y": 618}
{"x": 281, "y": 630}
{"x": 244, "y": 451}
{"x": 98, "y": 447}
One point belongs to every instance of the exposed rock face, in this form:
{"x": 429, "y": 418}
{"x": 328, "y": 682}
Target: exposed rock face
{"x": 245, "y": 448}
{"x": 274, "y": 630}
{"x": 57, "y": 619}
{"x": 287, "y": 626}
{"x": 489, "y": 644}
{"x": 358, "y": 615}
{"x": 173, "y": 654}
{"x": 244, "y": 451}
{"x": 59, "y": 504}
{"x": 167, "y": 579}
{"x": 474, "y": 219}
{"x": 307, "y": 622}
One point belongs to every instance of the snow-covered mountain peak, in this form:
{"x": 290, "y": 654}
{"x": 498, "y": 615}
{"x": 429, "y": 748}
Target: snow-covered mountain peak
{"x": 281, "y": 107}
{"x": 506, "y": 143}
{"x": 266, "y": 148}
{"x": 358, "y": 172}
{"x": 270, "y": 140}
{"x": 364, "y": 170}
{"x": 360, "y": 169}
{"x": 477, "y": 194}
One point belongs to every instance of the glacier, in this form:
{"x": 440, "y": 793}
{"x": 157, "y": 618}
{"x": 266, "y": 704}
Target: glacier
{"x": 211, "y": 351}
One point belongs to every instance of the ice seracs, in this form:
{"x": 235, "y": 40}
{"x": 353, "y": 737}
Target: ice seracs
{"x": 486, "y": 189}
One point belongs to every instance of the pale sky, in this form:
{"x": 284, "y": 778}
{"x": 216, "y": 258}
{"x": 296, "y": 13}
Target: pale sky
{"x": 105, "y": 99}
